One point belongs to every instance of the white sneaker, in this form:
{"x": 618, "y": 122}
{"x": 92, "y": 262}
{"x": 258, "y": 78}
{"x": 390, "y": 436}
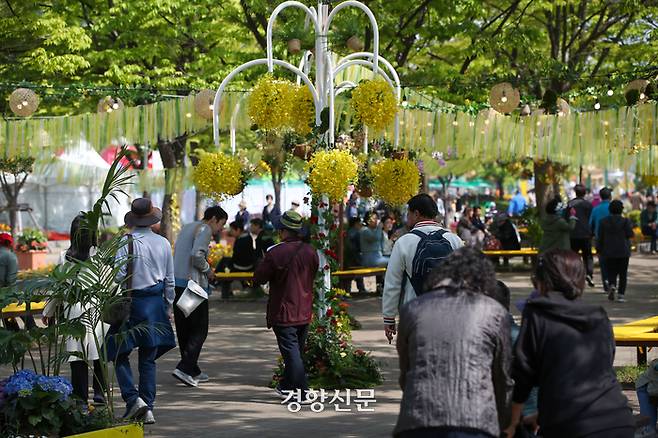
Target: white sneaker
{"x": 185, "y": 378}
{"x": 202, "y": 378}
{"x": 137, "y": 410}
{"x": 149, "y": 418}
{"x": 621, "y": 299}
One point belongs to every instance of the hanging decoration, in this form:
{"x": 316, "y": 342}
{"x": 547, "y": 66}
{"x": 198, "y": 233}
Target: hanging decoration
{"x": 504, "y": 98}
{"x": 302, "y": 111}
{"x": 23, "y": 102}
{"x": 270, "y": 102}
{"x": 395, "y": 181}
{"x": 374, "y": 104}
{"x": 203, "y": 101}
{"x": 108, "y": 104}
{"x": 219, "y": 176}
{"x": 331, "y": 172}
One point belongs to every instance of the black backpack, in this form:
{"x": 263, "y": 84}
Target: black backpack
{"x": 431, "y": 250}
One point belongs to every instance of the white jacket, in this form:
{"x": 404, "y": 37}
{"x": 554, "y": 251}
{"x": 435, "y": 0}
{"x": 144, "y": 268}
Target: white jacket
{"x": 402, "y": 259}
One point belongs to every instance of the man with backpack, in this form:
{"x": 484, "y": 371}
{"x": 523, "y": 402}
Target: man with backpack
{"x": 414, "y": 256}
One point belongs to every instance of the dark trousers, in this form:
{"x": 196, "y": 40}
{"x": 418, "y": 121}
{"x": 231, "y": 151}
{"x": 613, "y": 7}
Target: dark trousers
{"x": 617, "y": 267}
{"x": 291, "y": 342}
{"x": 584, "y": 247}
{"x": 648, "y": 231}
{"x": 618, "y": 432}
{"x": 80, "y": 379}
{"x": 604, "y": 274}
{"x": 146, "y": 367}
{"x": 191, "y": 333}
{"x": 224, "y": 264}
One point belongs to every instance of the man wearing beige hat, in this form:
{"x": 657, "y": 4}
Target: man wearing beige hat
{"x": 290, "y": 269}
{"x": 148, "y": 275}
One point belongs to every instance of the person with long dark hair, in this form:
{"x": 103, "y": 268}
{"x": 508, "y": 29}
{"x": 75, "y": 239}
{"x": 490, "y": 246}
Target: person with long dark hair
{"x": 566, "y": 348}
{"x": 83, "y": 350}
{"x": 454, "y": 345}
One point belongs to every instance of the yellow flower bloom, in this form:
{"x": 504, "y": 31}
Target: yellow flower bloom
{"x": 330, "y": 172}
{"x": 218, "y": 176}
{"x": 374, "y": 104}
{"x": 270, "y": 102}
{"x": 302, "y": 113}
{"x": 217, "y": 251}
{"x": 395, "y": 181}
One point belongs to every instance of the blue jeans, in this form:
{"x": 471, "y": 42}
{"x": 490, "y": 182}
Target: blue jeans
{"x": 374, "y": 260}
{"x": 291, "y": 342}
{"x": 646, "y": 407}
{"x": 146, "y": 367}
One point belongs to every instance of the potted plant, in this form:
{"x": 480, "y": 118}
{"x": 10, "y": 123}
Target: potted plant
{"x": 347, "y": 34}
{"x": 297, "y": 37}
{"x": 364, "y": 185}
{"x": 31, "y": 249}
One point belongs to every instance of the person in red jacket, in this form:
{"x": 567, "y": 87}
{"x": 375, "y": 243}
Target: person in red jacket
{"x": 290, "y": 268}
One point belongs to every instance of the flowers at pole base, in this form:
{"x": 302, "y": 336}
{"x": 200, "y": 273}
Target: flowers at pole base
{"x": 395, "y": 181}
{"x": 374, "y": 104}
{"x": 331, "y": 172}
{"x": 219, "y": 176}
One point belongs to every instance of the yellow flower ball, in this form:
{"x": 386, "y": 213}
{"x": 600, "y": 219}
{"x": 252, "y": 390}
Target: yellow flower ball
{"x": 302, "y": 113}
{"x": 395, "y": 181}
{"x": 374, "y": 104}
{"x": 218, "y": 176}
{"x": 330, "y": 172}
{"x": 270, "y": 102}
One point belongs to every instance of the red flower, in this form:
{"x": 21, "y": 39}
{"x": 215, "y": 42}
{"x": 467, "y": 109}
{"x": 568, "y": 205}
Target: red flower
{"x": 326, "y": 267}
{"x": 334, "y": 322}
{"x": 332, "y": 227}
{"x": 321, "y": 235}
{"x": 314, "y": 219}
{"x": 343, "y": 306}
{"x": 320, "y": 330}
{"x": 331, "y": 253}
{"x": 330, "y": 312}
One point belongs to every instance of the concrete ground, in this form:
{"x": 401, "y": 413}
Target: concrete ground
{"x": 240, "y": 355}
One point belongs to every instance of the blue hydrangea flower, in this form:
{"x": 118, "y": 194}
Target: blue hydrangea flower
{"x": 24, "y": 382}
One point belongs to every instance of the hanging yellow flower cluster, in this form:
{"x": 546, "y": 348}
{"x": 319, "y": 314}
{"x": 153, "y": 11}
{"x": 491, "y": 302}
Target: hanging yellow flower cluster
{"x": 330, "y": 172}
{"x": 374, "y": 104}
{"x": 217, "y": 251}
{"x": 395, "y": 181}
{"x": 278, "y": 103}
{"x": 302, "y": 113}
{"x": 219, "y": 176}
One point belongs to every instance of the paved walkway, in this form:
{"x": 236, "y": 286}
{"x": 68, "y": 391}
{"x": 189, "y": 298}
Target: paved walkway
{"x": 240, "y": 355}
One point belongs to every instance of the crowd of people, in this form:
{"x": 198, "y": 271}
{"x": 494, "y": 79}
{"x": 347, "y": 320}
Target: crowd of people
{"x": 466, "y": 368}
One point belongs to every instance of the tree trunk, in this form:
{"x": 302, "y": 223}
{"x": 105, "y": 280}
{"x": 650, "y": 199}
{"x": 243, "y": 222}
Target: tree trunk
{"x": 200, "y": 205}
{"x": 500, "y": 188}
{"x": 173, "y": 158}
{"x": 546, "y": 183}
{"x": 12, "y": 209}
{"x": 277, "y": 177}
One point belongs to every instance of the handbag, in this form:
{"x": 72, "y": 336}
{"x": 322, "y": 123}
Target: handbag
{"x": 118, "y": 311}
{"x": 491, "y": 243}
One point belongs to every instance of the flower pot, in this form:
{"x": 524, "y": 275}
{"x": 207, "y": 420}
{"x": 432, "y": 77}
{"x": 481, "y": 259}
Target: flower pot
{"x": 31, "y": 259}
{"x": 301, "y": 151}
{"x": 355, "y": 44}
{"x": 124, "y": 431}
{"x": 294, "y": 46}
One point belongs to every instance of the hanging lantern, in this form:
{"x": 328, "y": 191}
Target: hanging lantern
{"x": 23, "y": 102}
{"x": 203, "y": 103}
{"x": 109, "y": 104}
{"x": 504, "y": 98}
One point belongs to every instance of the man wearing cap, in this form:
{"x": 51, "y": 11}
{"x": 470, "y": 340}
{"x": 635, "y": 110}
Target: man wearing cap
{"x": 148, "y": 329}
{"x": 290, "y": 268}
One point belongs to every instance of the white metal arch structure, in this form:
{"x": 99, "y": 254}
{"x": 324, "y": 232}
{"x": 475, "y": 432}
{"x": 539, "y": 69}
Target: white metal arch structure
{"x": 261, "y": 61}
{"x": 373, "y": 23}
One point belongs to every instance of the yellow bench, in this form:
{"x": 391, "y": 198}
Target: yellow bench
{"x": 16, "y": 309}
{"x": 641, "y": 334}
{"x": 530, "y": 253}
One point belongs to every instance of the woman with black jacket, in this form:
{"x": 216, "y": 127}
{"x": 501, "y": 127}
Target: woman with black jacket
{"x": 566, "y": 348}
{"x": 614, "y": 245}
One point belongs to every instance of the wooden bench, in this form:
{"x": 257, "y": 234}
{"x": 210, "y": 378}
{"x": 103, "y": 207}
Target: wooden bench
{"x": 640, "y": 334}
{"x": 18, "y": 310}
